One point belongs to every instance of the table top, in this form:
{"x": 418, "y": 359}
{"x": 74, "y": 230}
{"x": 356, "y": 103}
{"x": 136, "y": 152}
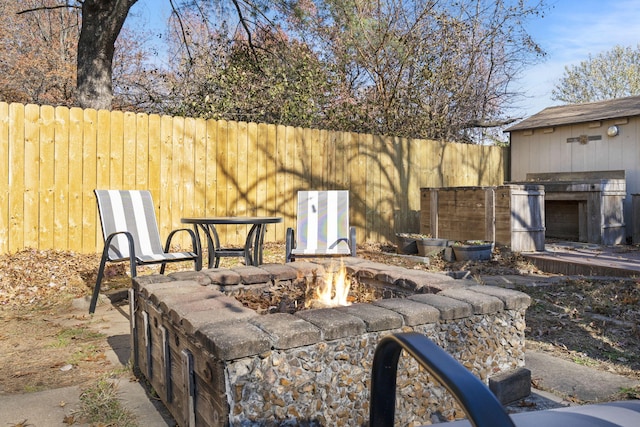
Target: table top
{"x": 217, "y": 220}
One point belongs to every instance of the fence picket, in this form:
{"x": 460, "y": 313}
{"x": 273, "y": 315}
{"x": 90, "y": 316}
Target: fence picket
{"x": 4, "y": 177}
{"x": 142, "y": 151}
{"x": 254, "y": 169}
{"x": 89, "y": 179}
{"x": 31, "y": 173}
{"x": 61, "y": 181}
{"x": 16, "y": 176}
{"x": 155, "y": 157}
{"x": 76, "y": 120}
{"x": 47, "y": 178}
{"x": 269, "y": 148}
{"x": 211, "y": 179}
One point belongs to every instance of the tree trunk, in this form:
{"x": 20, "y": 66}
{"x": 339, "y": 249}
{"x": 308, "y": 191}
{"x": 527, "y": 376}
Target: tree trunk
{"x": 102, "y": 21}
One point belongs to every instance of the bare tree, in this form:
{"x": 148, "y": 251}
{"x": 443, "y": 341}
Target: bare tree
{"x": 39, "y": 57}
{"x": 102, "y": 21}
{"x": 101, "y": 24}
{"x": 38, "y": 53}
{"x": 423, "y": 68}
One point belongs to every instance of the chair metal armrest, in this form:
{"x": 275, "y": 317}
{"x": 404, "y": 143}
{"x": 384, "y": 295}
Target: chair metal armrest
{"x": 480, "y": 405}
{"x": 132, "y": 250}
{"x": 194, "y": 247}
{"x": 167, "y": 245}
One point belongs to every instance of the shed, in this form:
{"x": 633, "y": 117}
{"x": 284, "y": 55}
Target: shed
{"x": 598, "y": 140}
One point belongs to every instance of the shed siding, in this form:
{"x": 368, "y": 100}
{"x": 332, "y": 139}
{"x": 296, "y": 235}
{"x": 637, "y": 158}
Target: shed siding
{"x": 549, "y": 152}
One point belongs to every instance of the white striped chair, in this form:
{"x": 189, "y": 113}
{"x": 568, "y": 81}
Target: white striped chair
{"x": 322, "y": 226}
{"x": 130, "y": 232}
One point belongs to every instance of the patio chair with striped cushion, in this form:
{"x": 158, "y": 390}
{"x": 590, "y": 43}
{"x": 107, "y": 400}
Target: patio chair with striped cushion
{"x": 130, "y": 232}
{"x": 322, "y": 226}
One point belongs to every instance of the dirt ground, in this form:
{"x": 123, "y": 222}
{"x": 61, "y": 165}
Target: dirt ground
{"x": 46, "y": 343}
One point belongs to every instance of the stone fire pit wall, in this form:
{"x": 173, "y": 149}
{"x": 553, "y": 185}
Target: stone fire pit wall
{"x": 214, "y": 362}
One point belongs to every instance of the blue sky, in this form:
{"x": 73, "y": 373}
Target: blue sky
{"x": 569, "y": 32}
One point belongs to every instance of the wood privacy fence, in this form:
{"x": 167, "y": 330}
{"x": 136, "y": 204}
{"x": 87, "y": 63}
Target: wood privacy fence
{"x": 54, "y": 157}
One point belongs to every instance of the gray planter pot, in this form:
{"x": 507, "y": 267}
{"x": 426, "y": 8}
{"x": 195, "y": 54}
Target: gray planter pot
{"x": 406, "y": 243}
{"x": 431, "y": 246}
{"x": 479, "y": 252}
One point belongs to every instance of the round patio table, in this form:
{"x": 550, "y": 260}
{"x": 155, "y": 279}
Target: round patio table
{"x": 252, "y": 250}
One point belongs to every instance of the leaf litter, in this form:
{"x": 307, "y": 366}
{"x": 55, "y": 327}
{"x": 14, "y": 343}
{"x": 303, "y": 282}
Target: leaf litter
{"x": 588, "y": 321}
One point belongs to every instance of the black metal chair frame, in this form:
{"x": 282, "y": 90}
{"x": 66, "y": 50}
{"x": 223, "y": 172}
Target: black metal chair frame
{"x": 480, "y": 405}
{"x": 134, "y": 261}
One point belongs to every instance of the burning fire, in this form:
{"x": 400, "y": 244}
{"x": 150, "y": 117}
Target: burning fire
{"x": 332, "y": 290}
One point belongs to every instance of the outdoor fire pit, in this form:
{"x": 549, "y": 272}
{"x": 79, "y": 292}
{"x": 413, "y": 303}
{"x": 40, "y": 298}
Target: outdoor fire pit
{"x": 329, "y": 286}
{"x": 214, "y": 361}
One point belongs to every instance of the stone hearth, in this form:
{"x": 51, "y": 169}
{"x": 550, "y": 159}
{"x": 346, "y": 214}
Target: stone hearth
{"x": 214, "y": 362}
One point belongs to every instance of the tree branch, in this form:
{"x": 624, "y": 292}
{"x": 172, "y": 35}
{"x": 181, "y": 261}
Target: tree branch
{"x": 38, "y": 9}
{"x": 184, "y": 34}
{"x": 243, "y": 22}
{"x": 481, "y": 123}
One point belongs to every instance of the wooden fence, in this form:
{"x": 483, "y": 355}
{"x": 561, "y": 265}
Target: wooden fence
{"x": 54, "y": 157}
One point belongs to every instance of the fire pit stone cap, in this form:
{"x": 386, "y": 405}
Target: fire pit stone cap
{"x": 306, "y": 268}
{"x": 181, "y": 296}
{"x": 481, "y": 302}
{"x": 200, "y": 319}
{"x": 421, "y": 281}
{"x": 196, "y": 276}
{"x": 375, "y": 318}
{"x": 234, "y": 340}
{"x": 288, "y": 331}
{"x": 414, "y": 313}
{"x": 250, "y": 275}
{"x": 139, "y": 281}
{"x": 175, "y": 291}
{"x": 218, "y": 308}
{"x": 333, "y": 323}
{"x": 513, "y": 300}
{"x": 449, "y": 308}
{"x": 223, "y": 276}
{"x": 280, "y": 271}
{"x": 148, "y": 287}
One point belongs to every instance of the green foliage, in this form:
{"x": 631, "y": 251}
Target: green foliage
{"x": 280, "y": 82}
{"x": 608, "y": 75}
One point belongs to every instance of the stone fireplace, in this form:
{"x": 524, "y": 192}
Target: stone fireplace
{"x": 214, "y": 362}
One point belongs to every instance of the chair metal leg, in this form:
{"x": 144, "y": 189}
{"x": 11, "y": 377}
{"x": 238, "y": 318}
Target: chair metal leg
{"x": 96, "y": 288}
{"x": 352, "y": 241}
{"x": 288, "y": 256}
{"x": 103, "y": 262}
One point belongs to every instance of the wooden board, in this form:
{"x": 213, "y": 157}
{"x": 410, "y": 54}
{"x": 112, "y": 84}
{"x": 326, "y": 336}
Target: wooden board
{"x": 510, "y": 215}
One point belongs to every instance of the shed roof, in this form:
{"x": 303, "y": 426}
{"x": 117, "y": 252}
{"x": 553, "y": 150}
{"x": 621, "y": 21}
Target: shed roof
{"x": 581, "y": 113}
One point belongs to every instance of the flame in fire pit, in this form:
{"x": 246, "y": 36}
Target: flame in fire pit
{"x": 332, "y": 290}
